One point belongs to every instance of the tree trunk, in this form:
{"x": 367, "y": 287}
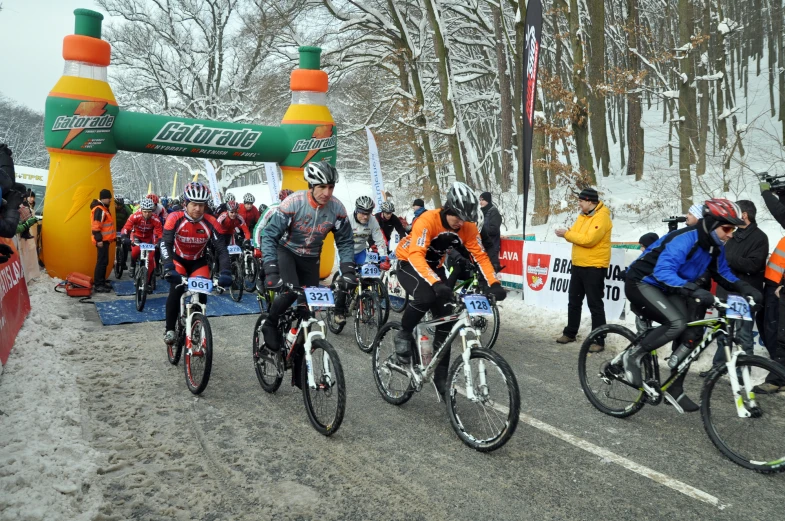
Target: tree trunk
{"x": 723, "y": 51}
{"x": 597, "y": 107}
{"x": 445, "y": 93}
{"x": 505, "y": 157}
{"x": 685, "y": 119}
{"x": 580, "y": 115}
{"x": 703, "y": 88}
{"x": 411, "y": 137}
{"x": 634, "y": 113}
{"x": 542, "y": 193}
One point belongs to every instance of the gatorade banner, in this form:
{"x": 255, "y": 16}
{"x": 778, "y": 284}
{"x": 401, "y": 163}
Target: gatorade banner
{"x": 14, "y": 301}
{"x": 547, "y": 270}
{"x": 208, "y": 166}
{"x": 273, "y": 181}
{"x": 377, "y": 184}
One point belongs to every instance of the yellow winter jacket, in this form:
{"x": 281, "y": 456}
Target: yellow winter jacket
{"x": 591, "y": 238}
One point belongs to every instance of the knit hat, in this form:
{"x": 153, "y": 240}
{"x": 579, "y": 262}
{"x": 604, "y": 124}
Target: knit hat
{"x": 589, "y": 194}
{"x": 696, "y": 210}
{"x": 486, "y": 196}
{"x": 647, "y": 239}
{"x": 105, "y": 194}
{"x": 418, "y": 202}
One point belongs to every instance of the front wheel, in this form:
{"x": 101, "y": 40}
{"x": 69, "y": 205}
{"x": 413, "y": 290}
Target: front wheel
{"x": 269, "y": 366}
{"x": 367, "y": 320}
{"x": 119, "y": 261}
{"x": 603, "y": 382}
{"x": 249, "y": 275}
{"x": 488, "y": 420}
{"x": 488, "y": 327}
{"x": 326, "y": 401}
{"x": 140, "y": 287}
{"x": 199, "y": 355}
{"x": 754, "y": 440}
{"x": 236, "y": 289}
{"x": 393, "y": 383}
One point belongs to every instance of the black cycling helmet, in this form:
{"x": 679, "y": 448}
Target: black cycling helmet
{"x": 717, "y": 212}
{"x": 364, "y": 204}
{"x": 249, "y": 198}
{"x": 462, "y": 202}
{"x": 387, "y": 207}
{"x": 321, "y": 173}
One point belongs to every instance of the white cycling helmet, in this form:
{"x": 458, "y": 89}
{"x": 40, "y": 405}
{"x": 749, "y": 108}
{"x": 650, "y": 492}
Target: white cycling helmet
{"x": 249, "y": 198}
{"x": 364, "y": 204}
{"x": 463, "y": 202}
{"x": 196, "y": 193}
{"x": 147, "y": 204}
{"x": 387, "y": 207}
{"x": 321, "y": 173}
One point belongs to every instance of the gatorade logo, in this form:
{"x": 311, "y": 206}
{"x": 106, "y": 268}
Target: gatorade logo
{"x": 196, "y": 134}
{"x": 321, "y": 139}
{"x": 88, "y": 114}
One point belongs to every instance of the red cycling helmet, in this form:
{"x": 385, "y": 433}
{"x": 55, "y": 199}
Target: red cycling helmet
{"x": 722, "y": 211}
{"x": 153, "y": 198}
{"x": 232, "y": 206}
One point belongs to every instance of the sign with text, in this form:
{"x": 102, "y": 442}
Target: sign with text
{"x": 14, "y": 301}
{"x": 547, "y": 273}
{"x": 511, "y": 257}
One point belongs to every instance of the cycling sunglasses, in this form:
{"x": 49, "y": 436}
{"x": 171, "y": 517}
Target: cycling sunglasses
{"x": 727, "y": 228}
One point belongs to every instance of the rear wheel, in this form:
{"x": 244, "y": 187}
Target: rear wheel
{"x": 384, "y": 301}
{"x": 393, "y": 384}
{"x": 236, "y": 289}
{"x": 119, "y": 261}
{"x": 326, "y": 402}
{"x": 367, "y": 320}
{"x": 603, "y": 382}
{"x": 755, "y": 442}
{"x": 199, "y": 357}
{"x": 269, "y": 366}
{"x": 396, "y": 294}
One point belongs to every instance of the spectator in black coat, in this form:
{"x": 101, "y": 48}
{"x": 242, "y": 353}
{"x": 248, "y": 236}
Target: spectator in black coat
{"x": 11, "y": 196}
{"x": 491, "y": 234}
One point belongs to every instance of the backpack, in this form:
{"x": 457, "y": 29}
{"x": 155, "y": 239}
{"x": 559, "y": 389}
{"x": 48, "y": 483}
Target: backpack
{"x": 77, "y": 285}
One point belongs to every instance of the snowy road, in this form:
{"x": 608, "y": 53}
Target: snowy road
{"x": 98, "y": 425}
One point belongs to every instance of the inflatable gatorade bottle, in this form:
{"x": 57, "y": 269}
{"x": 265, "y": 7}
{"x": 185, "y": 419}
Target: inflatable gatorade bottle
{"x": 312, "y": 131}
{"x": 80, "y": 113}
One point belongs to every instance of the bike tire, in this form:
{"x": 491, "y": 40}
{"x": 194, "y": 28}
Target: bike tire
{"x": 140, "y": 289}
{"x": 401, "y": 300}
{"x": 329, "y": 313}
{"x": 488, "y": 340}
{"x": 507, "y": 413}
{"x": 119, "y": 265}
{"x": 594, "y": 369}
{"x": 384, "y": 301}
{"x": 367, "y": 316}
{"x": 174, "y": 351}
{"x": 325, "y": 386}
{"x": 266, "y": 363}
{"x": 249, "y": 277}
{"x": 236, "y": 288}
{"x": 765, "y": 451}
{"x": 198, "y": 383}
{"x": 384, "y": 352}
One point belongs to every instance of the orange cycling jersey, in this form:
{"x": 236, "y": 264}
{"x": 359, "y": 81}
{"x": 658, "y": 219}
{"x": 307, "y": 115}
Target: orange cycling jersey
{"x": 427, "y": 244}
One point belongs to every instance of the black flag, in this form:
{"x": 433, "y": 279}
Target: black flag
{"x": 531, "y": 58}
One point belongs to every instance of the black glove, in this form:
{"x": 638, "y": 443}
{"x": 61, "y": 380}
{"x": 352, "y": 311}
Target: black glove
{"x": 757, "y": 297}
{"x": 703, "y": 297}
{"x": 272, "y": 279}
{"x": 247, "y": 244}
{"x": 498, "y": 291}
{"x": 349, "y": 274}
{"x": 749, "y": 292}
{"x": 225, "y": 278}
{"x": 442, "y": 291}
{"x": 126, "y": 241}
{"x": 5, "y": 253}
{"x": 688, "y": 289}
{"x": 170, "y": 273}
{"x": 13, "y": 198}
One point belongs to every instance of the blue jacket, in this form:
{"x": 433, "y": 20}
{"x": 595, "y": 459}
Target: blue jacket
{"x": 680, "y": 257}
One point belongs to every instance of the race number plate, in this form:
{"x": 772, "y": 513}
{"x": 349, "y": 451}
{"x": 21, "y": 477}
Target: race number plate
{"x": 477, "y": 305}
{"x": 370, "y": 271}
{"x": 319, "y": 296}
{"x": 235, "y": 250}
{"x": 738, "y": 308}
{"x": 371, "y": 257}
{"x": 200, "y": 285}
{"x": 146, "y": 246}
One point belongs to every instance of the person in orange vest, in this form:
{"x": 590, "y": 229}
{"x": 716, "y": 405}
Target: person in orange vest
{"x": 104, "y": 232}
{"x": 774, "y": 316}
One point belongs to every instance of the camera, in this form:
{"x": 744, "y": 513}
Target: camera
{"x": 777, "y": 182}
{"x": 673, "y": 221}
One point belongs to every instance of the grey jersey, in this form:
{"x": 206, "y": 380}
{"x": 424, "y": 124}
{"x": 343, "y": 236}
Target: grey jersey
{"x": 301, "y": 226}
{"x": 362, "y": 232}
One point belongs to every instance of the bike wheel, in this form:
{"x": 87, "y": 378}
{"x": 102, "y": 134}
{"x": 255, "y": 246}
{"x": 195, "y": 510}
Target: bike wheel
{"x": 140, "y": 287}
{"x": 755, "y": 442}
{"x": 119, "y": 262}
{"x": 384, "y": 301}
{"x": 328, "y": 314}
{"x": 236, "y": 289}
{"x": 326, "y": 402}
{"x": 394, "y": 386}
{"x": 603, "y": 383}
{"x": 397, "y": 295}
{"x": 199, "y": 357}
{"x": 488, "y": 327}
{"x": 367, "y": 320}
{"x": 269, "y": 366}
{"x": 249, "y": 276}
{"x": 174, "y": 351}
{"x": 486, "y": 422}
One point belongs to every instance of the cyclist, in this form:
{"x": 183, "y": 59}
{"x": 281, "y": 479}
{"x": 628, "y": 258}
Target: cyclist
{"x": 421, "y": 272}
{"x": 222, "y": 207}
{"x": 248, "y": 211}
{"x": 363, "y": 228}
{"x": 292, "y": 242}
{"x": 661, "y": 284}
{"x": 230, "y": 222}
{"x": 266, "y": 213}
{"x": 141, "y": 227}
{"x": 389, "y": 222}
{"x": 159, "y": 210}
{"x": 185, "y": 237}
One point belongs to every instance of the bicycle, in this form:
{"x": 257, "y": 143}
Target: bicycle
{"x": 236, "y": 289}
{"x": 364, "y": 303}
{"x": 193, "y": 334}
{"x": 480, "y": 421}
{"x": 250, "y": 265}
{"x": 321, "y": 373}
{"x": 488, "y": 325}
{"x": 393, "y": 287}
{"x": 728, "y": 415}
{"x": 144, "y": 276}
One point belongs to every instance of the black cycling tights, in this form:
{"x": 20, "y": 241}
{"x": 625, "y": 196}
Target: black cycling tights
{"x": 295, "y": 270}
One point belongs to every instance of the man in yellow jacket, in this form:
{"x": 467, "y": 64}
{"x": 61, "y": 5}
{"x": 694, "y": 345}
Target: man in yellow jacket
{"x": 591, "y": 254}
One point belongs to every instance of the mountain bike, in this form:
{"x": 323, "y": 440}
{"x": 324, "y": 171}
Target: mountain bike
{"x": 487, "y": 325}
{"x": 482, "y": 421}
{"x": 193, "y": 334}
{"x": 747, "y": 427}
{"x": 305, "y": 349}
{"x": 236, "y": 289}
{"x": 144, "y": 275}
{"x": 393, "y": 288}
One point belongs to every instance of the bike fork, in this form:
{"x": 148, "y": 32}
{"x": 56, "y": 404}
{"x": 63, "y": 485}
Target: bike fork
{"x": 741, "y": 410}
{"x": 467, "y": 370}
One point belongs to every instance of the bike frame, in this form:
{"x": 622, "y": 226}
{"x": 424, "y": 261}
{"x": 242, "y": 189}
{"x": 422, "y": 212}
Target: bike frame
{"x": 189, "y": 308}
